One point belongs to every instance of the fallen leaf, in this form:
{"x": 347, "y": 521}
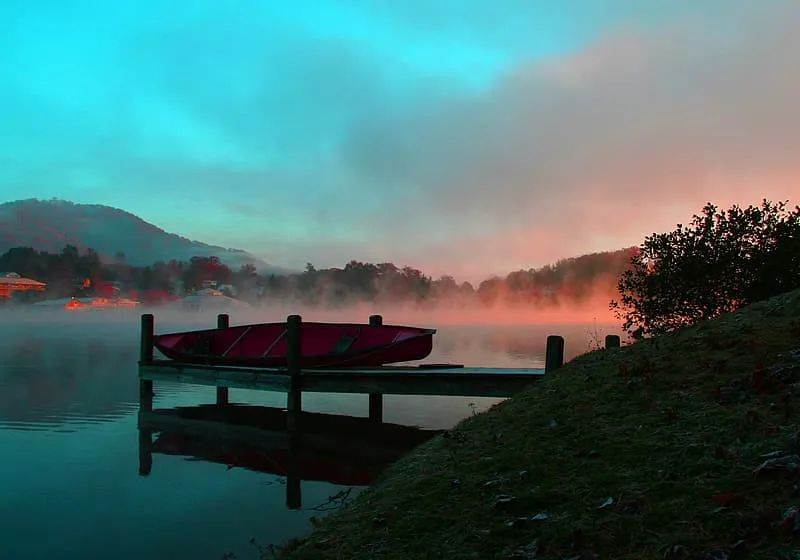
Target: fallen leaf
{"x": 607, "y": 503}
{"x": 728, "y": 499}
{"x": 785, "y": 464}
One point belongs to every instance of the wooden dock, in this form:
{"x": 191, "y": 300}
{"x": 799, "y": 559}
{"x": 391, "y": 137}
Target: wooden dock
{"x": 375, "y": 381}
{"x": 420, "y": 380}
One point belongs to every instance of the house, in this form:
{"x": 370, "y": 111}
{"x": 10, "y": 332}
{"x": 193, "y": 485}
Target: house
{"x": 11, "y": 282}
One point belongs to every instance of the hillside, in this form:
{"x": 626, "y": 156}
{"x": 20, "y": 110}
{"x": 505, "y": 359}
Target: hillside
{"x": 682, "y": 446}
{"x": 49, "y": 225}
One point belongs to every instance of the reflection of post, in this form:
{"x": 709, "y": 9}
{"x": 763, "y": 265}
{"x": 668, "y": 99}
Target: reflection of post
{"x": 375, "y": 399}
{"x": 294, "y": 496}
{"x": 146, "y": 357}
{"x": 145, "y": 451}
{"x": 294, "y": 399}
{"x": 223, "y": 322}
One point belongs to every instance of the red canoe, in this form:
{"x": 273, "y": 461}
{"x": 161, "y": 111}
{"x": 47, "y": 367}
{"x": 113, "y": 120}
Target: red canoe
{"x": 321, "y": 345}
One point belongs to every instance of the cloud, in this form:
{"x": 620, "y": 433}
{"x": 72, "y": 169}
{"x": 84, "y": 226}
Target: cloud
{"x": 470, "y": 138}
{"x": 595, "y": 149}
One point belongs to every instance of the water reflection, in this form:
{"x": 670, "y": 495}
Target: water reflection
{"x": 341, "y": 450}
{"x": 69, "y": 425}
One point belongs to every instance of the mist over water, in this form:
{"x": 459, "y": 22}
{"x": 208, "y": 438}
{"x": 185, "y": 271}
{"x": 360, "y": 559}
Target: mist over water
{"x": 69, "y": 484}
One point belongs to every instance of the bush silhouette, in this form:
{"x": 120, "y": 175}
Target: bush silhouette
{"x": 721, "y": 261}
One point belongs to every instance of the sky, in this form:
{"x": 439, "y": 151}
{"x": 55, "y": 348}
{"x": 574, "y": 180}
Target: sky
{"x": 462, "y": 137}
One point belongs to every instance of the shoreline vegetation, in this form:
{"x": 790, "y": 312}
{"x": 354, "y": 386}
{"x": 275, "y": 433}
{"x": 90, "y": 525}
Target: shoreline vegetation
{"x": 684, "y": 445}
{"x": 74, "y": 273}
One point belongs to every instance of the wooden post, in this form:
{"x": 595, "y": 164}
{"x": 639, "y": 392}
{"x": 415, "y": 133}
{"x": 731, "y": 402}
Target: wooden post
{"x": 223, "y": 322}
{"x": 146, "y": 346}
{"x": 554, "y": 355}
{"x": 294, "y": 407}
{"x": 612, "y": 341}
{"x": 375, "y": 399}
{"x": 294, "y": 400}
{"x": 146, "y": 357}
{"x": 376, "y": 407}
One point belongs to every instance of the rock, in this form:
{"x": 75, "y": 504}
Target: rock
{"x": 784, "y": 464}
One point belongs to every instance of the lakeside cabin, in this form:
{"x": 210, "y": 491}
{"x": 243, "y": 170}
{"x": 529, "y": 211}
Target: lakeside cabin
{"x": 11, "y": 282}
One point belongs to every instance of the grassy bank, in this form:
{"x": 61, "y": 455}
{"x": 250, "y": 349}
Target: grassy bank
{"x": 649, "y": 451}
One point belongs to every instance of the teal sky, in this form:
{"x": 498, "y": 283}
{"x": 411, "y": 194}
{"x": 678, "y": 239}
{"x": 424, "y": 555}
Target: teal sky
{"x": 322, "y": 131}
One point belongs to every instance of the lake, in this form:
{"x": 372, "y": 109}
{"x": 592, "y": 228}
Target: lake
{"x": 79, "y": 480}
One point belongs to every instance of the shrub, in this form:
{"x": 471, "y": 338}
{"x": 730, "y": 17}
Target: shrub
{"x": 721, "y": 261}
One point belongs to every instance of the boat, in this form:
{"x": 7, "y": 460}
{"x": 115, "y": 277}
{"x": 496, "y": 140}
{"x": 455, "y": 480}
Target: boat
{"x": 321, "y": 345}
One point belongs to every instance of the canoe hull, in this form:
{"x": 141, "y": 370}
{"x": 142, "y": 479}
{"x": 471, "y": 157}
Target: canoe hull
{"x": 321, "y": 345}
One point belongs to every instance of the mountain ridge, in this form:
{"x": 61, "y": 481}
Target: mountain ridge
{"x": 49, "y": 225}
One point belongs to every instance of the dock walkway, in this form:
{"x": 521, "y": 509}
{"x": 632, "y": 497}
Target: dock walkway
{"x": 430, "y": 379}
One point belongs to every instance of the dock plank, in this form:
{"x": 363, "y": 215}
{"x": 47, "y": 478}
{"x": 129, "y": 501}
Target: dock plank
{"x": 392, "y": 380}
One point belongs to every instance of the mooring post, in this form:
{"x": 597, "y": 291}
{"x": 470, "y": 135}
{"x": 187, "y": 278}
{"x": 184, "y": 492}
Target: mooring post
{"x": 554, "y": 354}
{"x": 375, "y": 399}
{"x": 294, "y": 400}
{"x": 223, "y": 322}
{"x": 146, "y": 357}
{"x": 612, "y": 341}
{"x": 146, "y": 346}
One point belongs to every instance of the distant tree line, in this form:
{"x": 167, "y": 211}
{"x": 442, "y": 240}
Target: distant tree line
{"x": 70, "y": 273}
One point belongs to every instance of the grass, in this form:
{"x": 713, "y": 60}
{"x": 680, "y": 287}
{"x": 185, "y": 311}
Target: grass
{"x": 648, "y": 451}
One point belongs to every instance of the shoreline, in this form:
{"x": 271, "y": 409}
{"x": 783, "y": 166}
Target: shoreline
{"x": 649, "y": 451}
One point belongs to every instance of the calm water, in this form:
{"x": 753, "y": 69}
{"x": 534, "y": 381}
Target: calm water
{"x": 78, "y": 481}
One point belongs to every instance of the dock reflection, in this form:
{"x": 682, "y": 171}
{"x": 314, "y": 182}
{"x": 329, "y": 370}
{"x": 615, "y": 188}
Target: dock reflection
{"x": 341, "y": 450}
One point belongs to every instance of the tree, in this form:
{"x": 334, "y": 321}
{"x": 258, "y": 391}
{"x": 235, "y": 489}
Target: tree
{"x": 721, "y": 261}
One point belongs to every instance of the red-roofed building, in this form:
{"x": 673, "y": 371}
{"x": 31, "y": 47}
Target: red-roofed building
{"x": 12, "y": 282}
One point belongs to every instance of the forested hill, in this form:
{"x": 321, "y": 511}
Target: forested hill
{"x": 49, "y": 225}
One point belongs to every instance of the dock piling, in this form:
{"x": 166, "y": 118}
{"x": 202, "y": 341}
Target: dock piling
{"x": 294, "y": 402}
{"x": 376, "y": 399}
{"x": 146, "y": 345}
{"x": 612, "y": 341}
{"x": 146, "y": 357}
{"x": 554, "y": 354}
{"x": 223, "y": 322}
